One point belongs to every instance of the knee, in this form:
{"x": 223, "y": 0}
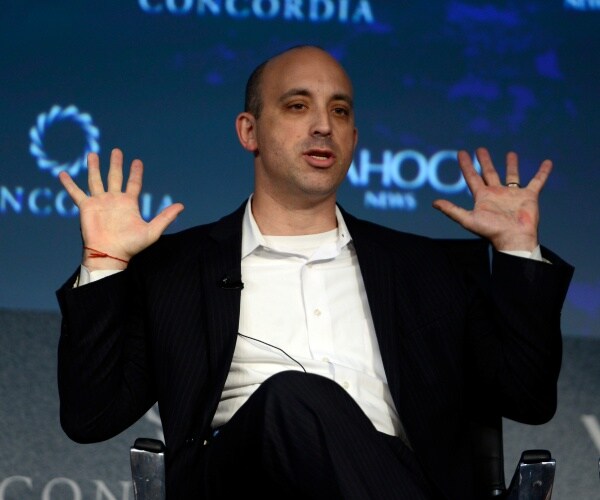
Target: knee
{"x": 309, "y": 389}
{"x": 292, "y": 381}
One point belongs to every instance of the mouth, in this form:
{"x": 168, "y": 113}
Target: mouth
{"x": 320, "y": 157}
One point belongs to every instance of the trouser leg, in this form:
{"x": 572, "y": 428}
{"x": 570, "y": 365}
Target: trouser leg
{"x": 302, "y": 436}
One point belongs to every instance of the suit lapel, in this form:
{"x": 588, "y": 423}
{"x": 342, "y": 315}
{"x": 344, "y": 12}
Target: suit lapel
{"x": 221, "y": 271}
{"x": 380, "y": 279}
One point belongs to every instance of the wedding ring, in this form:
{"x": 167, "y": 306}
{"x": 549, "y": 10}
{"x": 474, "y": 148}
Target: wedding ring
{"x": 513, "y": 184}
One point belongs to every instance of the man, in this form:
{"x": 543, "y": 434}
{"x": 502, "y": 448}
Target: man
{"x": 298, "y": 352}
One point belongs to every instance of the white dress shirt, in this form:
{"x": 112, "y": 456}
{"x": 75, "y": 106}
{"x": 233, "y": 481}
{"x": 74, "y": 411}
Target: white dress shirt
{"x": 304, "y": 304}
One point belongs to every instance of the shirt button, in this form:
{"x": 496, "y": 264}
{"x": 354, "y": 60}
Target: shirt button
{"x": 317, "y": 312}
{"x": 345, "y": 384}
{"x": 325, "y": 359}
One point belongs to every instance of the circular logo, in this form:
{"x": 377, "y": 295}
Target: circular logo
{"x": 55, "y": 115}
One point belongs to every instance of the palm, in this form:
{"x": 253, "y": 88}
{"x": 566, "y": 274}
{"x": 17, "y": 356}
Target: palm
{"x": 113, "y": 218}
{"x": 507, "y": 216}
{"x": 110, "y": 219}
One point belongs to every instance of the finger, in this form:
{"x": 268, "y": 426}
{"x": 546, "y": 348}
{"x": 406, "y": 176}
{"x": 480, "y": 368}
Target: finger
{"x": 115, "y": 171}
{"x": 512, "y": 169}
{"x": 472, "y": 177}
{"x": 76, "y": 194}
{"x": 158, "y": 225}
{"x": 94, "y": 178}
{"x": 539, "y": 179}
{"x": 134, "y": 181}
{"x": 488, "y": 171}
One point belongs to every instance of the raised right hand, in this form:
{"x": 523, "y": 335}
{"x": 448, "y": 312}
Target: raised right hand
{"x": 111, "y": 221}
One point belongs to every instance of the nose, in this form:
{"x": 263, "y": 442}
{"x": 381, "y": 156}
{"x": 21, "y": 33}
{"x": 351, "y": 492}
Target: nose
{"x": 321, "y": 124}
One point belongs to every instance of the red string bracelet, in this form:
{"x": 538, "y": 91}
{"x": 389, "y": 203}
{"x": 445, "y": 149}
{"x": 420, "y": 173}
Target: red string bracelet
{"x": 97, "y": 254}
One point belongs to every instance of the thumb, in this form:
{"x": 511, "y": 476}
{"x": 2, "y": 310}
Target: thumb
{"x": 159, "y": 224}
{"x": 454, "y": 212}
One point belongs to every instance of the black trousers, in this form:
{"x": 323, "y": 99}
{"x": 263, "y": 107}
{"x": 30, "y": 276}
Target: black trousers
{"x": 301, "y": 436}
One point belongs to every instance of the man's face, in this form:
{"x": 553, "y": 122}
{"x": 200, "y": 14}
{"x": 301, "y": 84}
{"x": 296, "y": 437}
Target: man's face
{"x": 305, "y": 136}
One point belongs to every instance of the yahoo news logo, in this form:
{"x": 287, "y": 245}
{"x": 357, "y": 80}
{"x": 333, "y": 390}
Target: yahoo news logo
{"x": 45, "y": 201}
{"x": 400, "y": 174}
{"x": 314, "y": 11}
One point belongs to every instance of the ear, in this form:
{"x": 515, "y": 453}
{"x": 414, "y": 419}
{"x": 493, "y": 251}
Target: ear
{"x": 245, "y": 126}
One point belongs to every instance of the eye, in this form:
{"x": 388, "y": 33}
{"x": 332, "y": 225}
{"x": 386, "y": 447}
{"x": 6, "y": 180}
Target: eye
{"x": 341, "y": 111}
{"x": 297, "y": 106}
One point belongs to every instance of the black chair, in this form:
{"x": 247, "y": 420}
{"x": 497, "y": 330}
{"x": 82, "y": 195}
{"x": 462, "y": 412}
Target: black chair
{"x": 533, "y": 478}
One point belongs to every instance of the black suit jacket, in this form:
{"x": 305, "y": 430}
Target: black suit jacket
{"x": 454, "y": 339}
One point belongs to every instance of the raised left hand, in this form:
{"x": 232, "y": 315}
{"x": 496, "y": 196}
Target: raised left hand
{"x": 507, "y": 213}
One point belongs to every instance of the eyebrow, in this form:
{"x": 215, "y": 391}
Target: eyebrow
{"x": 306, "y": 93}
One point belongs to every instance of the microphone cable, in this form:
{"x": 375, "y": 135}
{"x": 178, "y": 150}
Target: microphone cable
{"x": 275, "y": 347}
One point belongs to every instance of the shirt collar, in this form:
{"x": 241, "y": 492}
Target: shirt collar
{"x": 252, "y": 238}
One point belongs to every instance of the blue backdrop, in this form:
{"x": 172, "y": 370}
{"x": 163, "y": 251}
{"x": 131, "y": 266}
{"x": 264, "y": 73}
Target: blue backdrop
{"x": 164, "y": 80}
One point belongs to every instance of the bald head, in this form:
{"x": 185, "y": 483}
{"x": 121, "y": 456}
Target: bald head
{"x": 253, "y": 99}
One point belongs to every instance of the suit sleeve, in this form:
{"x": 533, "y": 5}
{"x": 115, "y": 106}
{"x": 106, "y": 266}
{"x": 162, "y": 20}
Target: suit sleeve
{"x": 519, "y": 357}
{"x": 104, "y": 377}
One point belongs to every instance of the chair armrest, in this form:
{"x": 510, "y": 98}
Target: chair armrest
{"x": 488, "y": 454}
{"x": 534, "y": 476}
{"x": 147, "y": 457}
